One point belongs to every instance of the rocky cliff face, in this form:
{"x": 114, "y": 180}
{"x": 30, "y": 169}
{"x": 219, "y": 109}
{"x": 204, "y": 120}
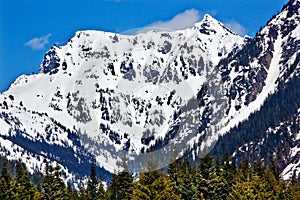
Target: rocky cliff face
{"x": 264, "y": 76}
{"x": 103, "y": 95}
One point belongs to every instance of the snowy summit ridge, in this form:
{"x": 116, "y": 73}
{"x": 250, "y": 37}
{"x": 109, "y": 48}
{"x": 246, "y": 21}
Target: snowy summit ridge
{"x": 103, "y": 95}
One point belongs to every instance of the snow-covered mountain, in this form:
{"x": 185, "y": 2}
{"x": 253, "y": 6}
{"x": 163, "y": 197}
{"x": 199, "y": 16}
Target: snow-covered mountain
{"x": 105, "y": 95}
{"x": 264, "y": 76}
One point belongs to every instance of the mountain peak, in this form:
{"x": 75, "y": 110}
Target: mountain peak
{"x": 103, "y": 95}
{"x": 210, "y": 23}
{"x": 131, "y": 88}
{"x": 208, "y": 17}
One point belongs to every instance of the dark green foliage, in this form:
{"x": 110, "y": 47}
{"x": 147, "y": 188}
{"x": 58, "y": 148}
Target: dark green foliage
{"x": 181, "y": 173}
{"x": 6, "y": 184}
{"x": 122, "y": 183}
{"x": 53, "y": 187}
{"x": 24, "y": 188}
{"x": 101, "y": 192}
{"x": 71, "y": 193}
{"x": 121, "y": 186}
{"x": 92, "y": 184}
{"x": 213, "y": 178}
{"x": 154, "y": 185}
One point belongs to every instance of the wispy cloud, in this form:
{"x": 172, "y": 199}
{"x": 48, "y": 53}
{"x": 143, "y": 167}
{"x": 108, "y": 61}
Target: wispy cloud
{"x": 213, "y": 12}
{"x": 38, "y": 43}
{"x": 182, "y": 20}
{"x": 236, "y": 27}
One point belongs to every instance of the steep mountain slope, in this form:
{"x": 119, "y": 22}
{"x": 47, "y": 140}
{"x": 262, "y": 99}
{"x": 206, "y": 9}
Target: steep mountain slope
{"x": 273, "y": 59}
{"x": 270, "y": 58}
{"x": 104, "y": 95}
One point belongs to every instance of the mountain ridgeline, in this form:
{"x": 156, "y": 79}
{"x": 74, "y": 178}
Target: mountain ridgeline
{"x": 162, "y": 95}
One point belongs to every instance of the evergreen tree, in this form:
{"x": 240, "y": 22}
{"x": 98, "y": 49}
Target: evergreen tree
{"x": 82, "y": 192}
{"x": 203, "y": 176}
{"x": 121, "y": 184}
{"x": 181, "y": 173}
{"x": 48, "y": 181}
{"x": 59, "y": 188}
{"x": 24, "y": 188}
{"x": 92, "y": 184}
{"x": 101, "y": 191}
{"x": 211, "y": 180}
{"x": 253, "y": 188}
{"x": 293, "y": 188}
{"x": 219, "y": 186}
{"x": 53, "y": 187}
{"x": 165, "y": 188}
{"x": 71, "y": 193}
{"x": 6, "y": 184}
{"x": 154, "y": 185}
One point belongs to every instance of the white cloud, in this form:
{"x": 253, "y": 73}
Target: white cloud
{"x": 182, "y": 20}
{"x": 38, "y": 43}
{"x": 236, "y": 27}
{"x": 213, "y": 12}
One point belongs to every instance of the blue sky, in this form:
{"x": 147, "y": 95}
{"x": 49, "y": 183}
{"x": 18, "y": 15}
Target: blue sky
{"x": 28, "y": 28}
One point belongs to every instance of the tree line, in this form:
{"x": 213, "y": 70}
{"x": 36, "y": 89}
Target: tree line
{"x": 209, "y": 179}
